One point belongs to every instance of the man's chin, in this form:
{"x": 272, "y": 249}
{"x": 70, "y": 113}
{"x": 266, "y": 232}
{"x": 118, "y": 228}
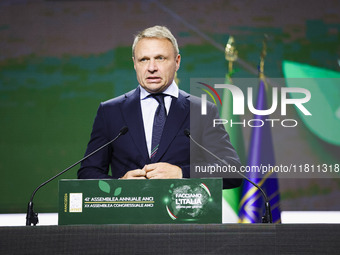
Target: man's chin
{"x": 155, "y": 88}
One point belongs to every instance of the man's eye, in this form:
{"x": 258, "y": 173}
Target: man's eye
{"x": 143, "y": 60}
{"x": 160, "y": 58}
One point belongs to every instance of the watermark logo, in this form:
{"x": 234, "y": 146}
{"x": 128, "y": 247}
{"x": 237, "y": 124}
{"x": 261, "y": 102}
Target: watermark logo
{"x": 279, "y": 101}
{"x": 204, "y": 97}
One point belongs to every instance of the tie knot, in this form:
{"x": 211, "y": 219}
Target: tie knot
{"x": 159, "y": 97}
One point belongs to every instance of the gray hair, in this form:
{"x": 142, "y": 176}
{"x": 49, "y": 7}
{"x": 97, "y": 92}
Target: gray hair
{"x": 156, "y": 32}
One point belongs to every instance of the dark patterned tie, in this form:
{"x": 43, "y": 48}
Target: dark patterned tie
{"x": 158, "y": 124}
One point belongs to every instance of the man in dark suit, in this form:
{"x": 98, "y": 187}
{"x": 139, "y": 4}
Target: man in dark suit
{"x": 156, "y": 113}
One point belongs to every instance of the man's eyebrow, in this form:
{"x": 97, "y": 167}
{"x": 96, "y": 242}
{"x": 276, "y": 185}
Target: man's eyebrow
{"x": 143, "y": 57}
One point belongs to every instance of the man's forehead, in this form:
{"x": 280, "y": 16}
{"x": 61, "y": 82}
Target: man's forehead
{"x": 146, "y": 45}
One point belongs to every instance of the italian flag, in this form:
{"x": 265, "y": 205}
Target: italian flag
{"x": 231, "y": 197}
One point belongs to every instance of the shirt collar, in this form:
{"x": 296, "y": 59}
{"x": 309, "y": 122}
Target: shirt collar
{"x": 172, "y": 90}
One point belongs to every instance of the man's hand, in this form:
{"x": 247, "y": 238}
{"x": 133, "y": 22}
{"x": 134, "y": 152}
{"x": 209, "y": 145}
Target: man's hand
{"x": 162, "y": 171}
{"x": 135, "y": 174}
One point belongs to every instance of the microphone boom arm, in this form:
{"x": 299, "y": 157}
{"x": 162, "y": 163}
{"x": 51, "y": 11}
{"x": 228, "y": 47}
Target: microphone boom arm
{"x": 267, "y": 218}
{"x": 31, "y": 216}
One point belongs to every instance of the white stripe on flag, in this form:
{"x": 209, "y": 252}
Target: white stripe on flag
{"x": 228, "y": 214}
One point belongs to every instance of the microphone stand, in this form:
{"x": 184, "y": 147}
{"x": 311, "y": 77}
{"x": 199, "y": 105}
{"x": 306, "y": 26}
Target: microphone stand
{"x": 31, "y": 216}
{"x": 267, "y": 217}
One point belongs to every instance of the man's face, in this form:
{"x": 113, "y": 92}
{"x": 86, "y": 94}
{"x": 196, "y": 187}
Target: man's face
{"x": 155, "y": 64}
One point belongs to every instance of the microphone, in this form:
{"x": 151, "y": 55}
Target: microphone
{"x": 267, "y": 217}
{"x": 31, "y": 216}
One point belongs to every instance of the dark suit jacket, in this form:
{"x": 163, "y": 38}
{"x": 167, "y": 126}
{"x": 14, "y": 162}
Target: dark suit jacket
{"x": 129, "y": 151}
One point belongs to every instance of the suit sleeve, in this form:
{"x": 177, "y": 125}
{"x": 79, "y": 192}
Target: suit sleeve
{"x": 97, "y": 166}
{"x": 216, "y": 139}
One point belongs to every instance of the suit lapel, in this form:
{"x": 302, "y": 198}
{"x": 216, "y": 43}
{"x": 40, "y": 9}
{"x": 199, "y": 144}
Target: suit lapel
{"x": 132, "y": 113}
{"x": 179, "y": 111}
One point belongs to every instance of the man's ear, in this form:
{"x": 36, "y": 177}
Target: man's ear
{"x": 134, "y": 64}
{"x": 178, "y": 61}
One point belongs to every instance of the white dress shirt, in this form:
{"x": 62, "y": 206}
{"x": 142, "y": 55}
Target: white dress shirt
{"x": 149, "y": 106}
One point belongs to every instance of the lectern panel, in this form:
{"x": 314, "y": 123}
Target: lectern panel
{"x": 140, "y": 201}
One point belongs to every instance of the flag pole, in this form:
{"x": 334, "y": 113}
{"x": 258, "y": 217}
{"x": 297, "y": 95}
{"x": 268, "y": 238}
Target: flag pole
{"x": 231, "y": 55}
{"x": 262, "y": 58}
{"x": 231, "y": 196}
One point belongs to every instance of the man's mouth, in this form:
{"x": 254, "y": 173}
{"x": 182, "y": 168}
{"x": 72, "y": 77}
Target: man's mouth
{"x": 153, "y": 79}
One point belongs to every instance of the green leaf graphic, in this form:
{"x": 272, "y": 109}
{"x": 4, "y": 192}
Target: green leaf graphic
{"x": 171, "y": 187}
{"x": 117, "y": 191}
{"x": 104, "y": 186}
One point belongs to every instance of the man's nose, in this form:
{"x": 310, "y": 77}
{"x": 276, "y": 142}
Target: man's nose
{"x": 152, "y": 66}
